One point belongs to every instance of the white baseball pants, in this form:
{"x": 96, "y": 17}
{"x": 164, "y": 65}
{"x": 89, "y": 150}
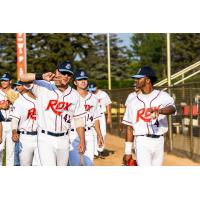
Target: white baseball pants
{"x": 28, "y": 150}
{"x": 53, "y": 151}
{"x": 149, "y": 151}
{"x": 10, "y": 145}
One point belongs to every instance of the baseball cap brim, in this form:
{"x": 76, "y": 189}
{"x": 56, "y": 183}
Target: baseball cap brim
{"x": 81, "y": 78}
{"x": 19, "y": 83}
{"x": 5, "y": 79}
{"x": 138, "y": 76}
{"x": 65, "y": 70}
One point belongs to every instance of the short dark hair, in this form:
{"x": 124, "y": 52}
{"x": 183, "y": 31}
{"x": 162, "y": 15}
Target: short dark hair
{"x": 153, "y": 79}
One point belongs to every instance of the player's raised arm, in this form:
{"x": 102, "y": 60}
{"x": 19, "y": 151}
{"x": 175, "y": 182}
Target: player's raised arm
{"x": 29, "y": 77}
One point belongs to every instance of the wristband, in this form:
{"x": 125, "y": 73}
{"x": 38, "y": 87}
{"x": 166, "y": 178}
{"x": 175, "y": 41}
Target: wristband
{"x": 38, "y": 76}
{"x": 128, "y": 148}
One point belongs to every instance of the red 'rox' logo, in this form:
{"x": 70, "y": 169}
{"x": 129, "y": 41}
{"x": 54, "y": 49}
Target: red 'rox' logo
{"x": 88, "y": 107}
{"x": 32, "y": 114}
{"x": 145, "y": 113}
{"x": 57, "y": 106}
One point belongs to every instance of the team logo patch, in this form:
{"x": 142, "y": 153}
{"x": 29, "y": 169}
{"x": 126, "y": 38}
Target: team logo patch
{"x": 144, "y": 114}
{"x": 88, "y": 107}
{"x": 57, "y": 107}
{"x": 68, "y": 66}
{"x": 31, "y": 114}
{"x": 82, "y": 73}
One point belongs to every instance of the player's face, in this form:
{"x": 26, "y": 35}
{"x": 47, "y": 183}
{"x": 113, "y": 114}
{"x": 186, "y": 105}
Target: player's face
{"x": 82, "y": 84}
{"x": 140, "y": 83}
{"x": 5, "y": 84}
{"x": 62, "y": 80}
{"x": 20, "y": 88}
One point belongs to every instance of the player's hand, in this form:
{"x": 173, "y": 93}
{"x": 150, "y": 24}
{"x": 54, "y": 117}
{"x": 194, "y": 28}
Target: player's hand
{"x": 5, "y": 105}
{"x": 108, "y": 120}
{"x": 15, "y": 136}
{"x": 81, "y": 147}
{"x": 126, "y": 159}
{"x": 154, "y": 113}
{"x": 0, "y": 140}
{"x": 100, "y": 141}
{"x": 49, "y": 76}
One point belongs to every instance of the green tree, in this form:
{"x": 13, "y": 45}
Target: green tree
{"x": 8, "y": 57}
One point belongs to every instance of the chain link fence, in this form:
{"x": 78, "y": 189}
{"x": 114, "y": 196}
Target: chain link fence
{"x": 185, "y": 124}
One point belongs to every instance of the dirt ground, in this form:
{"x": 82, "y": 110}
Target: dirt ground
{"x": 115, "y": 149}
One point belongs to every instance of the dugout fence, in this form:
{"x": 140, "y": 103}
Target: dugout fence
{"x": 185, "y": 124}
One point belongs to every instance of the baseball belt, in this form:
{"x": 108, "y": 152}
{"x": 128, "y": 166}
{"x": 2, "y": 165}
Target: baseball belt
{"x": 151, "y": 135}
{"x": 54, "y": 134}
{"x": 28, "y": 133}
{"x": 86, "y": 129}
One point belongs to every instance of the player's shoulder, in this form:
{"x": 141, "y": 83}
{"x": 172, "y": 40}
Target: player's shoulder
{"x": 163, "y": 93}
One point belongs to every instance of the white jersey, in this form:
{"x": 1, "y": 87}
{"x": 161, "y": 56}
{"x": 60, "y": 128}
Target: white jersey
{"x": 92, "y": 110}
{"x": 3, "y": 99}
{"x": 55, "y": 108}
{"x": 24, "y": 109}
{"x": 138, "y": 113}
{"x": 103, "y": 99}
{"x": 131, "y": 96}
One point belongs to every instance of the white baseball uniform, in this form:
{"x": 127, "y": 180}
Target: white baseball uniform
{"x": 1, "y": 146}
{"x": 131, "y": 96}
{"x": 7, "y": 133}
{"x": 104, "y": 100}
{"x": 93, "y": 114}
{"x": 55, "y": 111}
{"x": 24, "y": 110}
{"x": 149, "y": 151}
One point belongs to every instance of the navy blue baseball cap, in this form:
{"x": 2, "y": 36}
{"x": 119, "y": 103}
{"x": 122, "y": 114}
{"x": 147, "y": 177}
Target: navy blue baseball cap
{"x": 19, "y": 83}
{"x": 80, "y": 75}
{"x": 5, "y": 77}
{"x": 145, "y": 72}
{"x": 65, "y": 68}
{"x": 92, "y": 87}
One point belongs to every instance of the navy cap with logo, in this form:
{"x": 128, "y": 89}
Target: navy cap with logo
{"x": 80, "y": 75}
{"x": 92, "y": 87}
{"x": 65, "y": 68}
{"x": 5, "y": 77}
{"x": 19, "y": 83}
{"x": 145, "y": 72}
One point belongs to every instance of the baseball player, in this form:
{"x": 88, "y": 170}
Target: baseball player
{"x": 57, "y": 103}
{"x": 146, "y": 118}
{"x": 5, "y": 107}
{"x": 104, "y": 103}
{"x": 24, "y": 125}
{"x": 1, "y": 146}
{"x": 91, "y": 122}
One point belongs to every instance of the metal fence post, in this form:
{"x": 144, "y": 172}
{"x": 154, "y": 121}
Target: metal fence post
{"x": 191, "y": 126}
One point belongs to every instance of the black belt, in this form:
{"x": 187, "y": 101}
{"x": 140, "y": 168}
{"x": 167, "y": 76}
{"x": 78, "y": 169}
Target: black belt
{"x": 54, "y": 134}
{"x": 28, "y": 133}
{"x": 151, "y": 135}
{"x": 7, "y": 120}
{"x": 86, "y": 129}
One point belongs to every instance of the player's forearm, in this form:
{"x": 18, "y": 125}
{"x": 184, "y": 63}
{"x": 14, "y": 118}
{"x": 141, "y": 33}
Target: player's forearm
{"x": 129, "y": 134}
{"x": 97, "y": 128}
{"x": 29, "y": 77}
{"x": 167, "y": 110}
{"x": 81, "y": 133}
{"x": 108, "y": 108}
